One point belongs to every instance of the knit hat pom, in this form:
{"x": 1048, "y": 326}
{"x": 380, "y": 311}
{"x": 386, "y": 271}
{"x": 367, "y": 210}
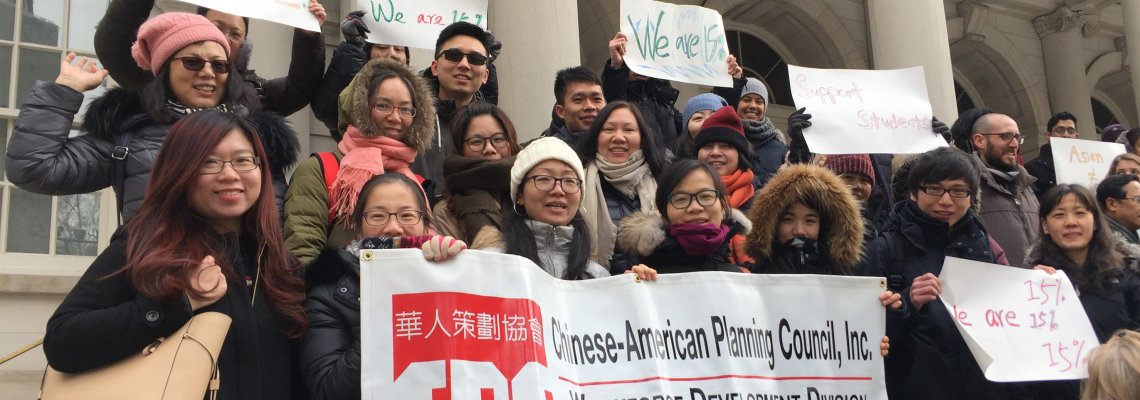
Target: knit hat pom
{"x": 542, "y": 149}
{"x": 159, "y": 38}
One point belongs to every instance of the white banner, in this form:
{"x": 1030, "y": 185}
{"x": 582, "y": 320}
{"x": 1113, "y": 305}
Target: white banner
{"x": 677, "y": 43}
{"x": 1020, "y": 324}
{"x": 1083, "y": 161}
{"x": 865, "y": 111}
{"x": 493, "y": 326}
{"x": 294, "y": 13}
{"x": 417, "y": 23}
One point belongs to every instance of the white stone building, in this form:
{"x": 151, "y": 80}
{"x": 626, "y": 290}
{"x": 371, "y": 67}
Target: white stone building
{"x": 1025, "y": 58}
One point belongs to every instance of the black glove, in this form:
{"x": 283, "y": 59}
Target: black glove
{"x": 353, "y": 28}
{"x": 940, "y": 128}
{"x": 496, "y": 46}
{"x": 798, "y": 152}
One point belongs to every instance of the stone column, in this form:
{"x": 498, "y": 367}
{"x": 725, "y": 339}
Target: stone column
{"x": 539, "y": 38}
{"x": 1065, "y": 67}
{"x": 906, "y": 33}
{"x": 1132, "y": 44}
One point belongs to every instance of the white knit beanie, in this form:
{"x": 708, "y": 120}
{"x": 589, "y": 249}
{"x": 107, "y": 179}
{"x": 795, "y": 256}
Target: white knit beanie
{"x": 542, "y": 149}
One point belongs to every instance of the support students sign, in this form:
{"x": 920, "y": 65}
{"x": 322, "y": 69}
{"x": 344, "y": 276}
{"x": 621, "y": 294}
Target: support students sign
{"x": 677, "y": 43}
{"x": 415, "y": 23}
{"x": 492, "y": 326}
{"x": 1083, "y": 162}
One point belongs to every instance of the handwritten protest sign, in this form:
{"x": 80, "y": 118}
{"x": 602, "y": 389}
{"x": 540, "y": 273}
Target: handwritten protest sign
{"x": 1020, "y": 324}
{"x": 1083, "y": 161}
{"x": 864, "y": 111}
{"x": 493, "y": 326}
{"x": 678, "y": 43}
{"x": 417, "y": 23}
{"x": 294, "y": 13}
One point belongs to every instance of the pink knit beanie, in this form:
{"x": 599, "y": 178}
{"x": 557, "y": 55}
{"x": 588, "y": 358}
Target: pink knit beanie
{"x": 162, "y": 36}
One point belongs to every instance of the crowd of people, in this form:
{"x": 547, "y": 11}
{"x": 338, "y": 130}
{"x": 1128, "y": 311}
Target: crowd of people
{"x": 195, "y": 147}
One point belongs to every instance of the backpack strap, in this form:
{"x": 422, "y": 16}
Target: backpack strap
{"x": 330, "y": 166}
{"x": 896, "y": 282}
{"x": 119, "y": 178}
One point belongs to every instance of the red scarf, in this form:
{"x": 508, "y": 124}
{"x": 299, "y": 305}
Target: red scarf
{"x": 740, "y": 189}
{"x": 365, "y": 157}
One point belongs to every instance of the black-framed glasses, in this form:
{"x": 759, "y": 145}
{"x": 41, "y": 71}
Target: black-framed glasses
{"x": 938, "y": 191}
{"x": 388, "y": 109}
{"x": 1007, "y": 137}
{"x": 404, "y": 217}
{"x": 195, "y": 64}
{"x": 705, "y": 198}
{"x": 546, "y": 183}
{"x": 478, "y": 143}
{"x": 1064, "y": 130}
{"x": 455, "y": 55}
{"x": 240, "y": 164}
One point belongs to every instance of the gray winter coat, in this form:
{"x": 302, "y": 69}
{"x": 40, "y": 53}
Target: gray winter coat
{"x": 1009, "y": 217}
{"x": 553, "y": 243}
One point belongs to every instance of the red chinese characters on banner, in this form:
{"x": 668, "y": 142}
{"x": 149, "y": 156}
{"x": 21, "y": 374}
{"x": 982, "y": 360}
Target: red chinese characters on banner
{"x": 440, "y": 326}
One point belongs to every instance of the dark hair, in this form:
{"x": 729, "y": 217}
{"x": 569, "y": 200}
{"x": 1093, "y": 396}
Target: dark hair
{"x": 1103, "y": 261}
{"x": 675, "y": 173}
{"x": 572, "y": 75}
{"x": 382, "y": 74}
{"x": 462, "y": 29}
{"x": 520, "y": 241}
{"x": 407, "y": 53}
{"x": 465, "y": 115}
{"x": 942, "y": 164}
{"x": 1058, "y": 117}
{"x": 167, "y": 239}
{"x": 203, "y": 10}
{"x": 587, "y": 146}
{"x": 156, "y": 93}
{"x": 963, "y": 129}
{"x": 1132, "y": 136}
{"x": 390, "y": 177}
{"x": 1112, "y": 187}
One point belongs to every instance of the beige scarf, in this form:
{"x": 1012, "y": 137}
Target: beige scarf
{"x": 633, "y": 179}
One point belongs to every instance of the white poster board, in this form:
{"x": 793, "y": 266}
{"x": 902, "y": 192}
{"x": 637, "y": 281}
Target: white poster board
{"x": 1083, "y": 162}
{"x": 865, "y": 111}
{"x": 1020, "y": 324}
{"x": 677, "y": 43}
{"x": 418, "y": 23}
{"x": 488, "y": 325}
{"x": 294, "y": 13}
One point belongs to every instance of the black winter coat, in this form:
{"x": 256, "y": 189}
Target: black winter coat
{"x": 103, "y": 320}
{"x": 330, "y": 352}
{"x": 1042, "y": 169}
{"x": 654, "y": 97}
{"x": 645, "y": 238}
{"x": 929, "y": 359}
{"x": 346, "y": 61}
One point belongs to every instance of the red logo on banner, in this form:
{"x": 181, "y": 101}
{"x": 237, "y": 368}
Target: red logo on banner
{"x": 458, "y": 326}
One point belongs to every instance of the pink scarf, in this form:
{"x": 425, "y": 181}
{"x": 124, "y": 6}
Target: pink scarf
{"x": 365, "y": 157}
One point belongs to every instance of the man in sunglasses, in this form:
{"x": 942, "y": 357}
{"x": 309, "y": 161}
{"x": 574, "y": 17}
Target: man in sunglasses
{"x": 1008, "y": 205}
{"x": 286, "y": 95}
{"x": 1062, "y": 125}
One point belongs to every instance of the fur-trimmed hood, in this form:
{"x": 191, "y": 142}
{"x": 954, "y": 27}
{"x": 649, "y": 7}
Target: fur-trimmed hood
{"x": 641, "y": 233}
{"x": 355, "y": 110}
{"x": 817, "y": 187}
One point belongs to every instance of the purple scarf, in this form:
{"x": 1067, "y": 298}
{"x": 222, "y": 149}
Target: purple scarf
{"x": 699, "y": 239}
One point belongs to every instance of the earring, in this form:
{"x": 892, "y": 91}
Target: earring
{"x": 515, "y": 208}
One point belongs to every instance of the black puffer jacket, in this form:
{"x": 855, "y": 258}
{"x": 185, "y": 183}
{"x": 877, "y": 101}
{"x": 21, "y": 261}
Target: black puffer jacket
{"x": 929, "y": 359}
{"x": 345, "y": 63}
{"x": 330, "y": 352}
{"x": 119, "y": 27}
{"x": 42, "y": 158}
{"x": 654, "y": 97}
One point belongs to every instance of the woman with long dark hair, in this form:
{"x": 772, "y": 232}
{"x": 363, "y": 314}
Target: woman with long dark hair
{"x": 622, "y": 161}
{"x": 206, "y": 238}
{"x": 125, "y": 128}
{"x": 545, "y": 223}
{"x": 478, "y": 175}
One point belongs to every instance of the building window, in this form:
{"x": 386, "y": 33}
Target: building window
{"x": 1102, "y": 116}
{"x": 34, "y": 36}
{"x": 762, "y": 62}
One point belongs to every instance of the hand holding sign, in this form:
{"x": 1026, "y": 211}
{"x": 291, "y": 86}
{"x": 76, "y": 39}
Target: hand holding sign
{"x": 677, "y": 43}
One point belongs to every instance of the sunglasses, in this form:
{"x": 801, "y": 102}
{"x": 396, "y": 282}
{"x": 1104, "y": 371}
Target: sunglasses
{"x": 195, "y": 64}
{"x": 454, "y": 55}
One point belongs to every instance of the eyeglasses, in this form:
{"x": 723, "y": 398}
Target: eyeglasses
{"x": 455, "y": 55}
{"x": 705, "y": 198}
{"x": 195, "y": 64}
{"x": 938, "y": 191}
{"x": 1060, "y": 130}
{"x": 387, "y": 109}
{"x": 405, "y": 217}
{"x": 1007, "y": 137}
{"x": 546, "y": 183}
{"x": 239, "y": 164}
{"x": 1134, "y": 199}
{"x": 479, "y": 143}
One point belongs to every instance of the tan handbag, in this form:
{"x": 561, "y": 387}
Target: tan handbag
{"x": 182, "y": 366}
